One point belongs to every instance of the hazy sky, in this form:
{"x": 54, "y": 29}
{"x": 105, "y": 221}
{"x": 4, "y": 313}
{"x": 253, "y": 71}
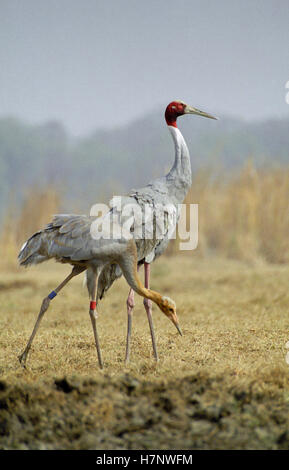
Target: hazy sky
{"x": 92, "y": 63}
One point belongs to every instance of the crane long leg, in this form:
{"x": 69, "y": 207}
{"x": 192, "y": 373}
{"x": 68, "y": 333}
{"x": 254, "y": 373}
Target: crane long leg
{"x": 130, "y": 306}
{"x": 93, "y": 317}
{"x": 45, "y": 304}
{"x": 148, "y": 308}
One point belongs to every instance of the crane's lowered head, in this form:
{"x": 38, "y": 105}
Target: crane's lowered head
{"x": 179, "y": 108}
{"x": 168, "y": 307}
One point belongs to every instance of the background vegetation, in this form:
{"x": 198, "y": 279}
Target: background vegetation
{"x": 242, "y": 216}
{"x": 85, "y": 170}
{"x": 241, "y": 179}
{"x": 228, "y": 387}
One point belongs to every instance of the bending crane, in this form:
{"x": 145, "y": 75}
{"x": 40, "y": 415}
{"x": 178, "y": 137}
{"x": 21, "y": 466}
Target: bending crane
{"x": 68, "y": 239}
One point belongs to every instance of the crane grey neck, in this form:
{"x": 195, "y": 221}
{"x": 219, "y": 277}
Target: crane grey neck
{"x": 179, "y": 177}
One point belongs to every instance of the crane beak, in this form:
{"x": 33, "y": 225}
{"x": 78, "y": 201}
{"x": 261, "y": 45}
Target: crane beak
{"x": 191, "y": 110}
{"x": 178, "y": 328}
{"x": 176, "y": 323}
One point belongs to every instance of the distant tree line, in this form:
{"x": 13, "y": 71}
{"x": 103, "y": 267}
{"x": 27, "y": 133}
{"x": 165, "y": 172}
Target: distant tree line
{"x": 93, "y": 168}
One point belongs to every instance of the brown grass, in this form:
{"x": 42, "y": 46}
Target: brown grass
{"x": 232, "y": 316}
{"x": 224, "y": 384}
{"x": 229, "y": 363}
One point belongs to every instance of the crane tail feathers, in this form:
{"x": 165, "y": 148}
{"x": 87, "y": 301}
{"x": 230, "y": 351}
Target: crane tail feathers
{"x": 29, "y": 253}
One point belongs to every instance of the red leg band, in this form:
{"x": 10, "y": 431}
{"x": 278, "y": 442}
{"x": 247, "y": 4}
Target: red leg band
{"x": 92, "y": 305}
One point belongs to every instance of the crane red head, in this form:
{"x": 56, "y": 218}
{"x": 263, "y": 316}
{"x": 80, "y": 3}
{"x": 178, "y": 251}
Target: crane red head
{"x": 179, "y": 108}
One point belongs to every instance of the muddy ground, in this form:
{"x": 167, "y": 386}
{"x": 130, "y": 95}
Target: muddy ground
{"x": 126, "y": 413}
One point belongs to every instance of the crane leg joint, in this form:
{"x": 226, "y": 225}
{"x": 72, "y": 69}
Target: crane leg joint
{"x": 93, "y": 313}
{"x": 52, "y": 295}
{"x": 147, "y": 303}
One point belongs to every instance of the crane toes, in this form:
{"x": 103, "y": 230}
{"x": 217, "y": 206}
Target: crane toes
{"x": 22, "y": 360}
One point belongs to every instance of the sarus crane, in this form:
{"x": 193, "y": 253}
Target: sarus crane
{"x": 68, "y": 239}
{"x": 168, "y": 191}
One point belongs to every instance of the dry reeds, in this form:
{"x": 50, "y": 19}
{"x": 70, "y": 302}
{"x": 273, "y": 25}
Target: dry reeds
{"x": 38, "y": 206}
{"x": 244, "y": 216}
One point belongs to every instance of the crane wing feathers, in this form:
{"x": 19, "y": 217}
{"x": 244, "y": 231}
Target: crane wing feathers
{"x": 68, "y": 237}
{"x": 149, "y": 215}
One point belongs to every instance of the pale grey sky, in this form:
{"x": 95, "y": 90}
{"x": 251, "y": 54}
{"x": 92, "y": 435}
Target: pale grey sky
{"x": 92, "y": 63}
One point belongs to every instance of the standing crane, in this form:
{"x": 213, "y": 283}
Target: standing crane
{"x": 167, "y": 191}
{"x": 68, "y": 239}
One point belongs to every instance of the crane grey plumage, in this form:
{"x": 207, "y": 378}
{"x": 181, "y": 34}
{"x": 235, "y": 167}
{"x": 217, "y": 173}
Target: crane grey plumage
{"x": 167, "y": 191}
{"x": 68, "y": 238}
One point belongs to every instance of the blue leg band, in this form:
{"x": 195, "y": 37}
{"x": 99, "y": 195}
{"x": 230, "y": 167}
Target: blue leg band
{"x": 52, "y": 295}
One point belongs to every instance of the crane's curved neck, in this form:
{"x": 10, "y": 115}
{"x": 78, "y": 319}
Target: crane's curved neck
{"x": 128, "y": 265}
{"x": 180, "y": 176}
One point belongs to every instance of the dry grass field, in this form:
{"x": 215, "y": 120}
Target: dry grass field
{"x": 223, "y": 385}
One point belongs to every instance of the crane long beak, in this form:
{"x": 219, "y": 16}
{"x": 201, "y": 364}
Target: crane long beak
{"x": 191, "y": 110}
{"x": 178, "y": 328}
{"x": 176, "y": 323}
